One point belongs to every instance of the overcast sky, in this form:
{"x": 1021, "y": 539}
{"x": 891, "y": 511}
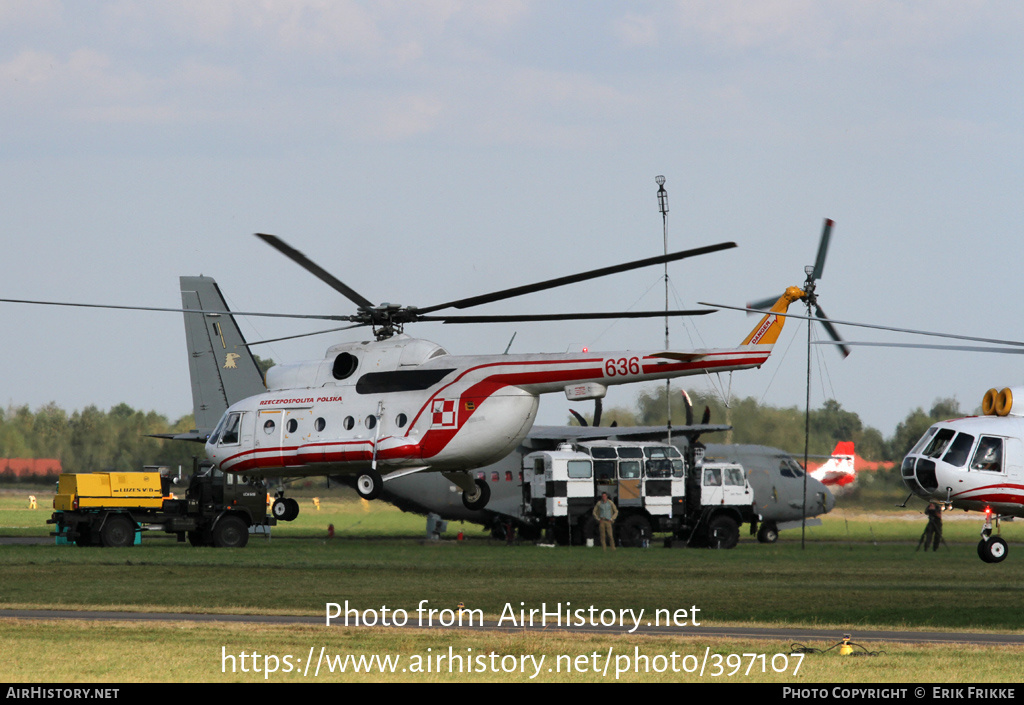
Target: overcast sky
{"x": 427, "y": 151}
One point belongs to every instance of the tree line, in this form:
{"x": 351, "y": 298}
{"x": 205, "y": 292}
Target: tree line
{"x": 783, "y": 427}
{"x": 92, "y": 439}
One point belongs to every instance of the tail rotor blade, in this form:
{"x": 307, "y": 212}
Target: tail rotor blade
{"x": 819, "y": 263}
{"x": 763, "y": 304}
{"x": 831, "y": 330}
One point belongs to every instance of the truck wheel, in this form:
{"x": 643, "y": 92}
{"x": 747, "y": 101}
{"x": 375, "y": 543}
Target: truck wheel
{"x": 768, "y": 533}
{"x": 369, "y": 484}
{"x": 85, "y": 537}
{"x": 230, "y": 532}
{"x": 723, "y": 533}
{"x": 118, "y": 531}
{"x": 635, "y": 530}
{"x": 478, "y": 499}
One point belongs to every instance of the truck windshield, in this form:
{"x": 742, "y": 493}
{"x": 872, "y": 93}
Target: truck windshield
{"x": 734, "y": 477}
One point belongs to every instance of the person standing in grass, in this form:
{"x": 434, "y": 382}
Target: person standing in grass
{"x": 606, "y": 513}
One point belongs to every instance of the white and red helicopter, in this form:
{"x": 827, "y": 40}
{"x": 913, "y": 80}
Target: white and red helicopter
{"x": 397, "y": 405}
{"x": 975, "y": 463}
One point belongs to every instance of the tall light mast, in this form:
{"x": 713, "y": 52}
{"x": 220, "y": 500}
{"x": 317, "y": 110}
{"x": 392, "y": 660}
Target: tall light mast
{"x": 663, "y": 207}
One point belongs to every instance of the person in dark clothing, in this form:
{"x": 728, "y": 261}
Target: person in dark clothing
{"x": 933, "y": 532}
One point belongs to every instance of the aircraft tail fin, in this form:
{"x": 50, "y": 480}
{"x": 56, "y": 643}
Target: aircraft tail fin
{"x": 767, "y": 331}
{"x": 840, "y": 470}
{"x": 221, "y": 367}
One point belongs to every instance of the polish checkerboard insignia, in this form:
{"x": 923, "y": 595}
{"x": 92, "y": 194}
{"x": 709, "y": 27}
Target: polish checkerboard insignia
{"x": 443, "y": 411}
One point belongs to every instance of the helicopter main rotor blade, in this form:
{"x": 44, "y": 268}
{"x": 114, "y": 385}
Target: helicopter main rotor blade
{"x": 516, "y": 318}
{"x": 819, "y": 263}
{"x": 573, "y": 278}
{"x": 115, "y": 307}
{"x": 315, "y": 269}
{"x": 304, "y": 335}
{"x": 875, "y": 327}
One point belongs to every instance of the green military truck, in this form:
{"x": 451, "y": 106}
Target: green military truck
{"x": 113, "y": 508}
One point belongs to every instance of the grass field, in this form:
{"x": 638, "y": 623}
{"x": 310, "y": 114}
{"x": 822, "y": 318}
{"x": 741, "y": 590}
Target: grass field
{"x": 859, "y": 570}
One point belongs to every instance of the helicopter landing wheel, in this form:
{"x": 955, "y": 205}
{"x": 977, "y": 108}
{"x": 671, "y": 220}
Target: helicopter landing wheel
{"x": 477, "y": 500}
{"x": 285, "y": 509}
{"x": 992, "y": 549}
{"x": 369, "y": 484}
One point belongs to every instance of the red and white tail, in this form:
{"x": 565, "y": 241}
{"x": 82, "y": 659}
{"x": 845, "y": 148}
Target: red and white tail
{"x": 840, "y": 469}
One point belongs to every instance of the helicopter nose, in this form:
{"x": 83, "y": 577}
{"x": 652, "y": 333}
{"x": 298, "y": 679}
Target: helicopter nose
{"x": 919, "y": 475}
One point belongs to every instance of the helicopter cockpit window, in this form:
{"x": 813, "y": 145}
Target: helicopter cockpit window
{"x": 924, "y": 439}
{"x": 989, "y": 456}
{"x": 959, "y": 449}
{"x": 215, "y": 436}
{"x": 229, "y": 437}
{"x": 940, "y": 441}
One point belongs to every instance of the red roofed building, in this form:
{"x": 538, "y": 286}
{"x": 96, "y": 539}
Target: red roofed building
{"x": 29, "y": 467}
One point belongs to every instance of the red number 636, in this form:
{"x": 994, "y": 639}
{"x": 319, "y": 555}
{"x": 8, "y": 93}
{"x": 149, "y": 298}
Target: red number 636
{"x": 622, "y": 366}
